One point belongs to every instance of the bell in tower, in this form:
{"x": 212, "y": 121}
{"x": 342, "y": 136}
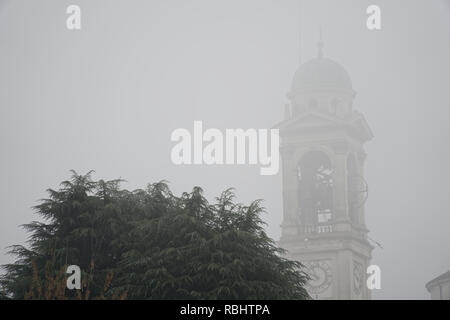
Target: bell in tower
{"x": 324, "y": 190}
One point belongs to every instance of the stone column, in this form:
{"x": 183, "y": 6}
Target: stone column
{"x": 361, "y": 159}
{"x": 340, "y": 212}
{"x": 290, "y": 199}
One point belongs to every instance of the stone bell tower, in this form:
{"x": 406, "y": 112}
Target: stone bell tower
{"x": 324, "y": 190}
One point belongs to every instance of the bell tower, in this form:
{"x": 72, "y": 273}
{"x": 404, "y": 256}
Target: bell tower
{"x": 324, "y": 190}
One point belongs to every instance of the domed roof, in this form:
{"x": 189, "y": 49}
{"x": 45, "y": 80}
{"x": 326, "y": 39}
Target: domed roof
{"x": 321, "y": 73}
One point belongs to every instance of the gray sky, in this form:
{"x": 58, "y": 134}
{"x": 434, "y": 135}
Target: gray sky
{"x": 107, "y": 98}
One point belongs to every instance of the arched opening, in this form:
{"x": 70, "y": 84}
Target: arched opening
{"x": 315, "y": 188}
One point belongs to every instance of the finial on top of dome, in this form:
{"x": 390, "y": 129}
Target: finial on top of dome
{"x": 320, "y": 44}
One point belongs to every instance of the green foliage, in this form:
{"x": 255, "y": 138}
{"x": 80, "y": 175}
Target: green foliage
{"x": 157, "y": 245}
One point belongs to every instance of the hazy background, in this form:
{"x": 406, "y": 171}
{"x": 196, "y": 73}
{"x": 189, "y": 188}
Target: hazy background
{"x": 107, "y": 98}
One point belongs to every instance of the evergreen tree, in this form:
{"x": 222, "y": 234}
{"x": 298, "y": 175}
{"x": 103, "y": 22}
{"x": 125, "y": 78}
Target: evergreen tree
{"x": 149, "y": 244}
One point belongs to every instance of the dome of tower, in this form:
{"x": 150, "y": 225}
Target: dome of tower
{"x": 321, "y": 74}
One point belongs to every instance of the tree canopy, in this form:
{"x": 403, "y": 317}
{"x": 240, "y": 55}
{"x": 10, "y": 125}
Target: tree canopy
{"x": 149, "y": 244}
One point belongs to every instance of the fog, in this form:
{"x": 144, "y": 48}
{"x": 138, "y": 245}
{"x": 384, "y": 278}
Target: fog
{"x": 107, "y": 98}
